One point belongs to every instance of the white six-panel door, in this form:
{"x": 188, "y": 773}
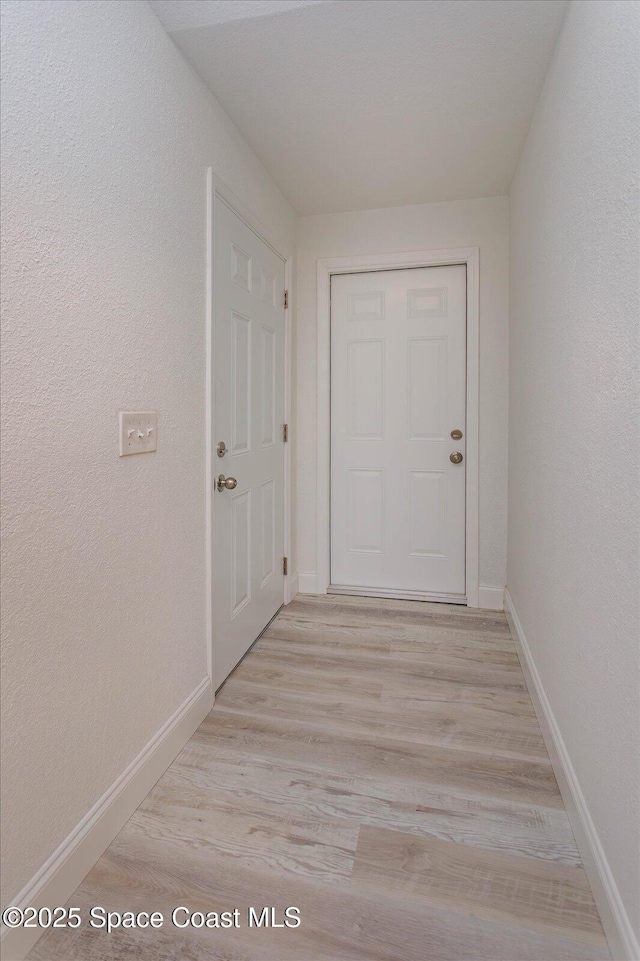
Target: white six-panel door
{"x": 398, "y": 372}
{"x": 248, "y": 374}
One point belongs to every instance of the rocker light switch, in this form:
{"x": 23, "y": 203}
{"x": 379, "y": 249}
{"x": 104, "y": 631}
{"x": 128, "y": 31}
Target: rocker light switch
{"x": 138, "y": 431}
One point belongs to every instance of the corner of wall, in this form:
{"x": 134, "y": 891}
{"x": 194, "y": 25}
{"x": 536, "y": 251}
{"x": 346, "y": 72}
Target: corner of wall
{"x": 308, "y": 582}
{"x": 491, "y": 598}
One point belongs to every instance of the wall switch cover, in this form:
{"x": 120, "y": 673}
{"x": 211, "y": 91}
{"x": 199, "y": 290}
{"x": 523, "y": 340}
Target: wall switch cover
{"x": 138, "y": 431}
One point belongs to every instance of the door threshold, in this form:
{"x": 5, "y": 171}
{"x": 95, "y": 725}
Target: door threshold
{"x": 397, "y": 595}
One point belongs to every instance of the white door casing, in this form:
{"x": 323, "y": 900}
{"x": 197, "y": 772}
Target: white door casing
{"x": 398, "y": 389}
{"x": 248, "y": 416}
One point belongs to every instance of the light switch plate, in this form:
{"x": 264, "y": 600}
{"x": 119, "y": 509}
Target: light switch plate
{"x": 138, "y": 431}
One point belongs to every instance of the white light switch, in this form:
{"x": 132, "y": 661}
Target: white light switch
{"x": 138, "y": 431}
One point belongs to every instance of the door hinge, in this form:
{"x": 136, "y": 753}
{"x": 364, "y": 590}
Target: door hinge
{"x": 286, "y": 299}
{"x": 285, "y": 433}
{"x": 285, "y": 565}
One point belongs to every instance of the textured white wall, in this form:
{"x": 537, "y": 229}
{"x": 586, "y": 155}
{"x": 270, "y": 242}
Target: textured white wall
{"x": 472, "y": 223}
{"x": 574, "y": 434}
{"x": 106, "y": 137}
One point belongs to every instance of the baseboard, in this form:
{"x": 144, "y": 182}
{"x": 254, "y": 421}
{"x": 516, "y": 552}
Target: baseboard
{"x": 61, "y": 874}
{"x": 615, "y": 920}
{"x": 308, "y": 583}
{"x": 491, "y": 598}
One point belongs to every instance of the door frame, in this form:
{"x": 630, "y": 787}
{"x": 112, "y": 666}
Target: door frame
{"x": 470, "y": 257}
{"x": 218, "y": 192}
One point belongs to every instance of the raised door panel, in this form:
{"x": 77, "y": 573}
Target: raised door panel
{"x": 365, "y": 520}
{"x": 426, "y": 385}
{"x": 268, "y": 531}
{"x": 365, "y": 373}
{"x": 366, "y": 306}
{"x": 240, "y": 267}
{"x": 241, "y": 384}
{"x": 268, "y": 370}
{"x": 268, "y": 285}
{"x": 427, "y": 513}
{"x": 240, "y": 551}
{"x": 430, "y": 303}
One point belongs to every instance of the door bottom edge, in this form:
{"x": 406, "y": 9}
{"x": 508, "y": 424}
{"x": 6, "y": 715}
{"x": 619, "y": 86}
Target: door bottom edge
{"x": 397, "y": 595}
{"x": 248, "y": 650}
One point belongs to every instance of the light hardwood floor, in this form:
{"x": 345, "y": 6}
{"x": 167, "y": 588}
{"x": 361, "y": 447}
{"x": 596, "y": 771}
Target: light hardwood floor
{"x": 377, "y": 764}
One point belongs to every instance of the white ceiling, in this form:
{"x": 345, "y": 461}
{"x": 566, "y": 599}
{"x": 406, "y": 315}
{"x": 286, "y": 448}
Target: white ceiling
{"x": 353, "y": 104}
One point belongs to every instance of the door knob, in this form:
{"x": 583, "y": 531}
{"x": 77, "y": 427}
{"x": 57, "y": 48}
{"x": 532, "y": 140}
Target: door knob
{"x": 226, "y": 483}
{"x": 456, "y": 434}
{"x": 456, "y": 457}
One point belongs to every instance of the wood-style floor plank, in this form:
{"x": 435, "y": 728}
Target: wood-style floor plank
{"x": 389, "y": 636}
{"x": 340, "y": 923}
{"x": 252, "y": 832}
{"x": 474, "y": 726}
{"x": 298, "y": 790}
{"x": 459, "y": 771}
{"x": 376, "y": 763}
{"x": 552, "y": 898}
{"x": 494, "y": 669}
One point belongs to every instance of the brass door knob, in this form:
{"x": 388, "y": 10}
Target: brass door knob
{"x": 456, "y": 457}
{"x": 456, "y": 434}
{"x": 226, "y": 483}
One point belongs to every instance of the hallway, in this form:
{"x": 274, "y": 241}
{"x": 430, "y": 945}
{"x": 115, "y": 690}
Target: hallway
{"x": 379, "y": 765}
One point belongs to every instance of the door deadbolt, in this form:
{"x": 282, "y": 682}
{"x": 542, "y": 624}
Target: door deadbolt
{"x": 456, "y": 457}
{"x": 456, "y": 434}
{"x": 221, "y": 449}
{"x": 226, "y": 483}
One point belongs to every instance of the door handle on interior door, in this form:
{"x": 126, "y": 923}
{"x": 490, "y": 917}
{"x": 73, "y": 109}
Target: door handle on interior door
{"x": 456, "y": 457}
{"x": 226, "y": 483}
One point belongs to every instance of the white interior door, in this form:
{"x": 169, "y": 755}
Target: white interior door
{"x": 398, "y": 373}
{"x": 248, "y": 372}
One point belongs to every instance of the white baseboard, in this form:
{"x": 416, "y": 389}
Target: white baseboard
{"x": 615, "y": 920}
{"x": 308, "y": 583}
{"x": 61, "y": 874}
{"x": 294, "y": 587}
{"x": 491, "y": 598}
